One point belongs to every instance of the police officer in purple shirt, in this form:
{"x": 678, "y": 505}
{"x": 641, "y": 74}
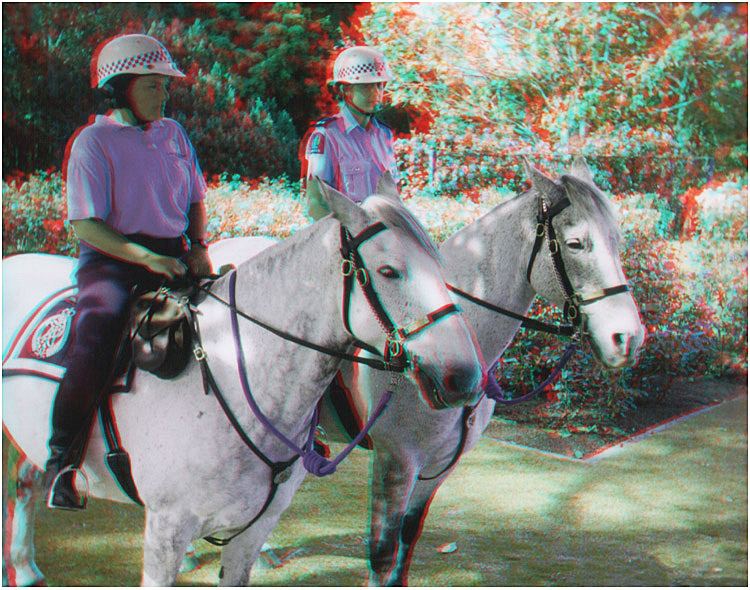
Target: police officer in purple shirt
{"x": 135, "y": 200}
{"x": 351, "y": 149}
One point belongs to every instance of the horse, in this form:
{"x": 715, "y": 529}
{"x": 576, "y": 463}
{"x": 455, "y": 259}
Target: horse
{"x": 498, "y": 258}
{"x": 204, "y": 466}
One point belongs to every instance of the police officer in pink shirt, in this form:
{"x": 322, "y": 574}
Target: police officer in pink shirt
{"x": 351, "y": 149}
{"x": 135, "y": 200}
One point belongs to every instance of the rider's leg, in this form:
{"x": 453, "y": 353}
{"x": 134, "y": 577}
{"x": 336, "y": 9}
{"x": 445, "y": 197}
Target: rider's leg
{"x": 101, "y": 312}
{"x": 105, "y": 288}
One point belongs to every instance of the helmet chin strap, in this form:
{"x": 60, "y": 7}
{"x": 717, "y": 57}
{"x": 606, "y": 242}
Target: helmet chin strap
{"x": 352, "y": 106}
{"x": 138, "y": 121}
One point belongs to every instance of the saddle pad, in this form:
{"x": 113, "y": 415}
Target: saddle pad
{"x": 39, "y": 344}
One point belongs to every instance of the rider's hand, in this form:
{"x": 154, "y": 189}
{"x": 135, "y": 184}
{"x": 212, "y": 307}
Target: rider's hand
{"x": 166, "y": 266}
{"x": 198, "y": 262}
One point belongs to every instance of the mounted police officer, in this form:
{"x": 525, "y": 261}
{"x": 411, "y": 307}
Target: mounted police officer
{"x": 135, "y": 200}
{"x": 351, "y": 149}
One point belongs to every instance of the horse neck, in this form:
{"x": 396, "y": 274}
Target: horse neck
{"x": 294, "y": 287}
{"x": 488, "y": 259}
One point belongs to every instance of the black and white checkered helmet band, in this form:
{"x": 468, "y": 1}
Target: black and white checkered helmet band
{"x": 133, "y": 62}
{"x": 133, "y": 54}
{"x": 361, "y": 65}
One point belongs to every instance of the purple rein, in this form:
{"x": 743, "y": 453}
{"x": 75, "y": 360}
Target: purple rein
{"x": 496, "y": 394}
{"x": 313, "y": 461}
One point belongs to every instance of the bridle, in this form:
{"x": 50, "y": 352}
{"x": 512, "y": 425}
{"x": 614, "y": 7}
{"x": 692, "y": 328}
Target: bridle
{"x": 572, "y": 309}
{"x": 573, "y": 300}
{"x": 395, "y": 353}
{"x": 396, "y": 357}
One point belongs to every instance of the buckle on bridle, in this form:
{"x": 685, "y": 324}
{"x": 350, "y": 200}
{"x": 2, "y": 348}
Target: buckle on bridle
{"x": 395, "y": 348}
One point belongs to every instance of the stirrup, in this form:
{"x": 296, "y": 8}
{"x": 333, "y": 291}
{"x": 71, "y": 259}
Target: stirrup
{"x": 70, "y": 501}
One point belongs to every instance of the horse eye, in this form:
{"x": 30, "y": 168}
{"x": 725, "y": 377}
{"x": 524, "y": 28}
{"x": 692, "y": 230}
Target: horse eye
{"x": 575, "y": 244}
{"x": 389, "y": 272}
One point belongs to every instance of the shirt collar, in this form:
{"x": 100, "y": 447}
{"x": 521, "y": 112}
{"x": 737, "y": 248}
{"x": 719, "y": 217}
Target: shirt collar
{"x": 350, "y": 122}
{"x": 106, "y": 120}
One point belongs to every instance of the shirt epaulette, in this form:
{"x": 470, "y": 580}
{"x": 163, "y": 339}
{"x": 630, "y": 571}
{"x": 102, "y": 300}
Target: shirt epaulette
{"x": 321, "y": 122}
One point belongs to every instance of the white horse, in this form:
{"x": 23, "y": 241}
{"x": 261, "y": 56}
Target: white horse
{"x": 495, "y": 259}
{"x": 193, "y": 472}
{"x": 501, "y": 258}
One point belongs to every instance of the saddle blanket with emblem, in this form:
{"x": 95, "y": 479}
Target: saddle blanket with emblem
{"x": 38, "y": 346}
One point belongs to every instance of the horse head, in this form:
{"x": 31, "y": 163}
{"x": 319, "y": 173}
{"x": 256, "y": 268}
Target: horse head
{"x": 583, "y": 271}
{"x": 397, "y": 301}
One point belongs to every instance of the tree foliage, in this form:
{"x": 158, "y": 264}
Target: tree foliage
{"x": 255, "y": 76}
{"x": 624, "y": 78}
{"x": 625, "y": 84}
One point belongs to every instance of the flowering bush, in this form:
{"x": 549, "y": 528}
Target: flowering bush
{"x": 261, "y": 207}
{"x": 34, "y": 208}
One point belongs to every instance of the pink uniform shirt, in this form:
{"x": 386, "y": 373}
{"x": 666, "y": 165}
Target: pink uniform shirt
{"x": 134, "y": 180}
{"x": 349, "y": 157}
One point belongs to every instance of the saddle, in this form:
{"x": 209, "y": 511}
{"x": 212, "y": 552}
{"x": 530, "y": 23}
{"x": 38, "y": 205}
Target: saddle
{"x": 161, "y": 332}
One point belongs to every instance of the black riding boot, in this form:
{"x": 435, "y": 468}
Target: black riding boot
{"x": 59, "y": 481}
{"x": 71, "y": 420}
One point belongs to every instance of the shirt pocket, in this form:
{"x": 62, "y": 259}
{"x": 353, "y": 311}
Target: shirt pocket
{"x": 355, "y": 175}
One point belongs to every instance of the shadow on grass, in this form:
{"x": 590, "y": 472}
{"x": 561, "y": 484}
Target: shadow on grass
{"x": 669, "y": 510}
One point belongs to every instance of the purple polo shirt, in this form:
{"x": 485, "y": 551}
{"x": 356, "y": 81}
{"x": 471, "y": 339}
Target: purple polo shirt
{"x": 135, "y": 180}
{"x": 349, "y": 157}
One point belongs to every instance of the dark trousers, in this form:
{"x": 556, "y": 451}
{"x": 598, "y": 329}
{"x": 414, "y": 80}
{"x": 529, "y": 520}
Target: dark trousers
{"x": 105, "y": 290}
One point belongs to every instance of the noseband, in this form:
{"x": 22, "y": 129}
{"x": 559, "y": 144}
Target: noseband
{"x": 573, "y": 301}
{"x": 352, "y": 266}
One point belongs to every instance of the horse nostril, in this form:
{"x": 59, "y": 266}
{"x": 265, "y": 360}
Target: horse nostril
{"x": 461, "y": 380}
{"x": 622, "y": 342}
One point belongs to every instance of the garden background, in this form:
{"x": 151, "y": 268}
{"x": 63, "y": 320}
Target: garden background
{"x": 653, "y": 95}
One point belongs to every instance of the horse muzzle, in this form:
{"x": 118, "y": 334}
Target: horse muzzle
{"x": 456, "y": 387}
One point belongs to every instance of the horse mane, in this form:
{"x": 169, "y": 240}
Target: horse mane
{"x": 398, "y": 218}
{"x": 592, "y": 200}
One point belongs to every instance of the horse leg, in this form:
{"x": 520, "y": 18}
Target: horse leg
{"x": 239, "y": 556}
{"x": 411, "y": 526}
{"x": 165, "y": 542}
{"x": 390, "y": 491}
{"x": 20, "y": 492}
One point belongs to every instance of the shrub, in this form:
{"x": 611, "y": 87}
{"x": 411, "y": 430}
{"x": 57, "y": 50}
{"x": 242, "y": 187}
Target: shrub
{"x": 34, "y": 209}
{"x": 256, "y": 76}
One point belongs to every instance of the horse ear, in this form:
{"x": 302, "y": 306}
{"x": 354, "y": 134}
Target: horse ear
{"x": 580, "y": 170}
{"x": 343, "y": 208}
{"x": 387, "y": 186}
{"x": 543, "y": 185}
